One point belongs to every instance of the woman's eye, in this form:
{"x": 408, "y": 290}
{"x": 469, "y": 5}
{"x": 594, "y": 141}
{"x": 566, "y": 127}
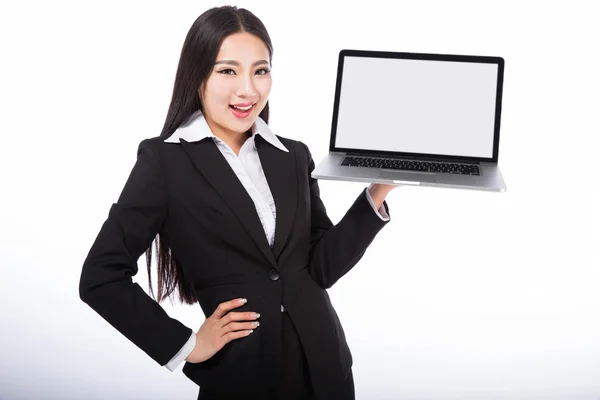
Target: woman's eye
{"x": 229, "y": 71}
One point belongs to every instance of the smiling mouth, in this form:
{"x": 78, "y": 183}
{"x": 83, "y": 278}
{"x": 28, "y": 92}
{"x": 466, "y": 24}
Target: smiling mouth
{"x": 242, "y": 112}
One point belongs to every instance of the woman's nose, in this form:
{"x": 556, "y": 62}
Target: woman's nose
{"x": 246, "y": 87}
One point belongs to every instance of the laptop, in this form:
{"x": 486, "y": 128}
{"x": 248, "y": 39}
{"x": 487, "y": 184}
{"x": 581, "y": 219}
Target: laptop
{"x": 416, "y": 119}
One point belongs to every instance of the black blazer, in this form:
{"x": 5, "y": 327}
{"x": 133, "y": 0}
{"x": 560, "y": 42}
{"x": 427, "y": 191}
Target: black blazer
{"x": 189, "y": 194}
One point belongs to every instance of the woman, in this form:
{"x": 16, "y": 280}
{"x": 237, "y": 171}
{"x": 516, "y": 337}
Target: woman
{"x": 237, "y": 216}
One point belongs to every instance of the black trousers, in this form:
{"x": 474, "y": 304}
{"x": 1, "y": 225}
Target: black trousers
{"x": 295, "y": 382}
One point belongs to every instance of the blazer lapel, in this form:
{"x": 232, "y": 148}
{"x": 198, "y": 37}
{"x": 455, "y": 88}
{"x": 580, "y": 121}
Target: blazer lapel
{"x": 279, "y": 168}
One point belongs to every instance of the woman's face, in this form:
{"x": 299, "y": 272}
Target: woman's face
{"x": 238, "y": 87}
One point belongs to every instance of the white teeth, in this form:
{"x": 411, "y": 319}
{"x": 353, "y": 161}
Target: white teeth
{"x": 244, "y": 108}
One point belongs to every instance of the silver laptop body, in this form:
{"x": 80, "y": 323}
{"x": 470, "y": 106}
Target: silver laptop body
{"x": 416, "y": 119}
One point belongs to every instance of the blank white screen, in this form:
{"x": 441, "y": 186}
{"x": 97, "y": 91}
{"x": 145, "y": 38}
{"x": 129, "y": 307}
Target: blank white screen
{"x": 417, "y": 106}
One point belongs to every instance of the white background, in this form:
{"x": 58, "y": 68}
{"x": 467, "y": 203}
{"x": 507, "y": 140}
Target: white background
{"x": 463, "y": 295}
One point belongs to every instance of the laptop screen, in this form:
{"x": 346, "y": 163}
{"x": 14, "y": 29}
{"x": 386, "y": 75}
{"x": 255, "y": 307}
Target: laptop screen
{"x": 417, "y": 106}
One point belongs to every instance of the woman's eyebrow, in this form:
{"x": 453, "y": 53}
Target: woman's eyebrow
{"x": 236, "y": 63}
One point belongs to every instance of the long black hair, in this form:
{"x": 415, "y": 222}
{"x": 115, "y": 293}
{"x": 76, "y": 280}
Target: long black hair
{"x": 198, "y": 55}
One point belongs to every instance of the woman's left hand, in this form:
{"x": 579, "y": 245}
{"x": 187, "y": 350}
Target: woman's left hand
{"x": 378, "y": 191}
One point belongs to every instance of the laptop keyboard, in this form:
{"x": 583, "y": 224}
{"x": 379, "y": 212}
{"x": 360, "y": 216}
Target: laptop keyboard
{"x": 411, "y": 165}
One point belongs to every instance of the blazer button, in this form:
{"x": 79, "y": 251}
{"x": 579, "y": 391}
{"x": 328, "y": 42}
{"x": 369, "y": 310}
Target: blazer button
{"x": 273, "y": 274}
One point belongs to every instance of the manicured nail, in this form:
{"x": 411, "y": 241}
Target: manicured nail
{"x": 256, "y": 323}
{"x": 250, "y": 331}
{"x": 243, "y": 300}
{"x": 257, "y": 315}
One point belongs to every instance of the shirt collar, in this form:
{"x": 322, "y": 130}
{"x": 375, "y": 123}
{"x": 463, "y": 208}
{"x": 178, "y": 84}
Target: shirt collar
{"x": 196, "y": 128}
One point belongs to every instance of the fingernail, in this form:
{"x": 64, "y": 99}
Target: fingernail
{"x": 243, "y": 300}
{"x": 256, "y": 315}
{"x": 256, "y": 323}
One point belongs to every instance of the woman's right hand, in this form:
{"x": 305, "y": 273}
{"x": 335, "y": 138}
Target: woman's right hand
{"x": 219, "y": 329}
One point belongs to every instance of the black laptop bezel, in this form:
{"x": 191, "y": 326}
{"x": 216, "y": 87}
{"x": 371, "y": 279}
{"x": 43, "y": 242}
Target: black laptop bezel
{"x": 418, "y": 56}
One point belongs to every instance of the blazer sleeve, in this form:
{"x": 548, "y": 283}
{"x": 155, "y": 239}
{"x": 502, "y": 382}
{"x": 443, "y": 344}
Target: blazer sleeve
{"x": 106, "y": 278}
{"x": 335, "y": 249}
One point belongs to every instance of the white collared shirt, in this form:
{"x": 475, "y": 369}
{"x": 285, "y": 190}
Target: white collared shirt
{"x": 248, "y": 169}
